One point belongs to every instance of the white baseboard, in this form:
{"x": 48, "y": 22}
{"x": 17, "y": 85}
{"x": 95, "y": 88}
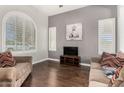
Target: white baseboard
{"x": 58, "y": 60}
{"x": 42, "y": 60}
{"x": 84, "y": 64}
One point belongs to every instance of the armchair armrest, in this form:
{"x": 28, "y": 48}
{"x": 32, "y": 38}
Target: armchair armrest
{"x": 7, "y": 76}
{"x": 20, "y": 59}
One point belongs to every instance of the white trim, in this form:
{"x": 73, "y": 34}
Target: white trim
{"x": 52, "y": 38}
{"x": 6, "y": 16}
{"x": 45, "y": 59}
{"x": 23, "y": 52}
{"x": 39, "y": 61}
{"x": 110, "y": 36}
{"x": 85, "y": 64}
{"x": 58, "y": 60}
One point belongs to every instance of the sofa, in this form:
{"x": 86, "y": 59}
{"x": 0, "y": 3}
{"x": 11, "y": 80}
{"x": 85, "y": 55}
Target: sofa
{"x": 15, "y": 76}
{"x": 97, "y": 78}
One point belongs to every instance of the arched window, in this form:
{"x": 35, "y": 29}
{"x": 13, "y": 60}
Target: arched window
{"x": 19, "y": 32}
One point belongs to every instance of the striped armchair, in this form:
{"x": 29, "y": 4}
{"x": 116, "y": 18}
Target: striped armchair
{"x": 15, "y": 76}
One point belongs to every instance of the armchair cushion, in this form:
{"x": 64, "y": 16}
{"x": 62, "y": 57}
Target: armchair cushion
{"x": 7, "y": 74}
{"x": 99, "y": 76}
{"x": 15, "y": 76}
{"x": 21, "y": 69}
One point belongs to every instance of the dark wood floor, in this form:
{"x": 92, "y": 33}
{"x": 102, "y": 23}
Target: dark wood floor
{"x": 53, "y": 74}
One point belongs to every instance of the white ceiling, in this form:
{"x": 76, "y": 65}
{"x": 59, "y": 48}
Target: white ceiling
{"x": 54, "y": 9}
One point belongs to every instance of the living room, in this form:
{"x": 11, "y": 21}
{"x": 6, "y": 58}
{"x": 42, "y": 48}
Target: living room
{"x": 61, "y": 46}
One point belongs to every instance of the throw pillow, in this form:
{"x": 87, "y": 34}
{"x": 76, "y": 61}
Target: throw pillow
{"x": 118, "y": 77}
{"x": 121, "y": 74}
{"x": 120, "y": 57}
{"x": 6, "y": 59}
{"x": 105, "y": 54}
{"x": 109, "y": 60}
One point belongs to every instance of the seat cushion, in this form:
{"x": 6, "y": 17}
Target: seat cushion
{"x": 95, "y": 65}
{"x": 7, "y": 74}
{"x": 97, "y": 84}
{"x": 121, "y": 85}
{"x": 21, "y": 69}
{"x": 99, "y": 76}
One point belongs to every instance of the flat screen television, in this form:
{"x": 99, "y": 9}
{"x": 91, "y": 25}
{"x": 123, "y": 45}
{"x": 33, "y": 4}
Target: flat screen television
{"x": 70, "y": 51}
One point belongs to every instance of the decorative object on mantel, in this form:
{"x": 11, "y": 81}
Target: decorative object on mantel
{"x": 74, "y": 31}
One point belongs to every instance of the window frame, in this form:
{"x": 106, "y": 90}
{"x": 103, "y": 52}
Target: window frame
{"x": 52, "y": 30}
{"x": 21, "y": 14}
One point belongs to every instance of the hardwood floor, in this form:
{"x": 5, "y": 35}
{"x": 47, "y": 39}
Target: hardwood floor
{"x": 53, "y": 74}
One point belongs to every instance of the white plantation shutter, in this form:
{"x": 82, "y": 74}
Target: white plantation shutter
{"x": 30, "y": 36}
{"x": 106, "y": 36}
{"x": 19, "y": 28}
{"x": 20, "y": 34}
{"x": 52, "y": 39}
{"x": 11, "y": 33}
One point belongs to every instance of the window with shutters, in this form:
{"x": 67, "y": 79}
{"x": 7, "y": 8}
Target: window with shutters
{"x": 52, "y": 39}
{"x": 19, "y": 34}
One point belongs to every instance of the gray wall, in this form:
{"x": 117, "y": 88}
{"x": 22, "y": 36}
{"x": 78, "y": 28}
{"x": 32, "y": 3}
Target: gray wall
{"x": 41, "y": 21}
{"x": 89, "y": 17}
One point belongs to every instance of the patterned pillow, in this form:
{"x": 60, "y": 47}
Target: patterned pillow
{"x": 118, "y": 77}
{"x": 109, "y": 60}
{"x": 104, "y": 55}
{"x": 120, "y": 56}
{"x": 6, "y": 59}
{"x": 121, "y": 74}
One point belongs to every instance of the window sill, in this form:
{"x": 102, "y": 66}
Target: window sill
{"x": 23, "y": 52}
